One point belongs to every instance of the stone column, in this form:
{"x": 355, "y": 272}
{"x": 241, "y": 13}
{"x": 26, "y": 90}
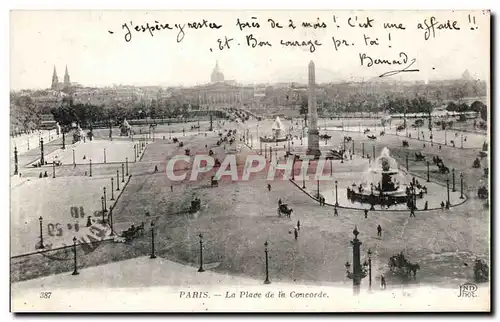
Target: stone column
{"x": 313, "y": 133}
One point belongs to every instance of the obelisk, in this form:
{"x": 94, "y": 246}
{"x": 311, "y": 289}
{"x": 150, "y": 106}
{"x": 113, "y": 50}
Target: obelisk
{"x": 313, "y": 133}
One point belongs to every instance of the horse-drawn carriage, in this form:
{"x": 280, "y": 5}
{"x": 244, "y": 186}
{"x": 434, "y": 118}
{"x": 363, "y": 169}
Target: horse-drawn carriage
{"x": 217, "y": 163}
{"x": 325, "y": 137}
{"x": 482, "y": 192}
{"x": 283, "y": 209}
{"x": 371, "y": 137}
{"x": 382, "y": 133}
{"x": 419, "y": 156}
{"x": 405, "y": 144}
{"x": 400, "y": 128}
{"x": 181, "y": 144}
{"x": 399, "y": 264}
{"x": 210, "y": 153}
{"x": 476, "y": 164}
{"x": 214, "y": 182}
{"x": 187, "y": 152}
{"x": 366, "y": 131}
{"x": 175, "y": 140}
{"x": 481, "y": 271}
{"x": 195, "y": 205}
{"x": 133, "y": 232}
{"x": 347, "y": 139}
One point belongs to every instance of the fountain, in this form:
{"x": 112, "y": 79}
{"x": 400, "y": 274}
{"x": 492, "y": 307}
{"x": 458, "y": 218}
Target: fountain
{"x": 277, "y": 133}
{"x": 383, "y": 184}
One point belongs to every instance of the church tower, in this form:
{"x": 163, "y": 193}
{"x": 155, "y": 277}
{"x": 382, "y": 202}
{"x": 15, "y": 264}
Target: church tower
{"x": 67, "y": 82}
{"x": 55, "y": 80}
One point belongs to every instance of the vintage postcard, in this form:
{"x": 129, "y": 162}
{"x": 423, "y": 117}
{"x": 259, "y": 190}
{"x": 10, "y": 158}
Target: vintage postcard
{"x": 250, "y": 161}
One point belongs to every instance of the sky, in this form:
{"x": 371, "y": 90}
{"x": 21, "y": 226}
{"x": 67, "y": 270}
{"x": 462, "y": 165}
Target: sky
{"x": 92, "y": 44}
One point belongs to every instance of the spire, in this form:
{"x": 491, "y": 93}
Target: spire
{"x": 55, "y": 80}
{"x": 66, "y": 78}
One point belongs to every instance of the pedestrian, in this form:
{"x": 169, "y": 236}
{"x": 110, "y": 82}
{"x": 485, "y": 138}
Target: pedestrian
{"x": 279, "y": 202}
{"x": 412, "y": 211}
{"x": 366, "y": 213}
{"x": 269, "y": 187}
{"x": 156, "y": 168}
{"x": 335, "y": 211}
{"x": 295, "y": 233}
{"x": 171, "y": 188}
{"x": 442, "y": 205}
{"x": 426, "y": 206}
{"x": 379, "y": 231}
{"x": 298, "y": 225}
{"x": 382, "y": 282}
{"x": 439, "y": 147}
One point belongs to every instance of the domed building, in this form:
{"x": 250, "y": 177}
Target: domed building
{"x": 217, "y": 75}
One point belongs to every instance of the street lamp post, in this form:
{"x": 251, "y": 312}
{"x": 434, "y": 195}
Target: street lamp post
{"x": 42, "y": 160}
{"x": 123, "y": 172}
{"x": 352, "y": 147}
{"x": 135, "y": 153}
{"x": 75, "y": 269}
{"x": 363, "y": 150}
{"x": 41, "y": 232}
{"x": 370, "y": 268}
{"x": 336, "y": 194}
{"x": 126, "y": 166}
{"x": 428, "y": 174}
{"x": 293, "y": 168}
{"x": 201, "y": 253}
{"x": 112, "y": 189}
{"x": 373, "y": 152}
{"x": 90, "y": 165}
{"x": 462, "y": 141}
{"x": 16, "y": 162}
{"x": 317, "y": 181}
{"x": 407, "y": 162}
{"x": 304, "y": 180}
{"x": 63, "y": 141}
{"x": 461, "y": 186}
{"x": 53, "y": 169}
{"x": 110, "y": 219}
{"x": 453, "y": 179}
{"x": 267, "y": 281}
{"x": 104, "y": 195}
{"x": 74, "y": 161}
{"x": 357, "y": 271}
{"x": 445, "y": 137}
{"x": 153, "y": 256}
{"x": 448, "y": 188}
{"x": 104, "y": 155}
{"x": 270, "y": 154}
{"x": 265, "y": 151}
{"x": 117, "y": 180}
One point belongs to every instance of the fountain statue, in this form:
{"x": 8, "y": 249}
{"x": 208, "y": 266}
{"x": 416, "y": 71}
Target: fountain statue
{"x": 382, "y": 184}
{"x": 278, "y": 130}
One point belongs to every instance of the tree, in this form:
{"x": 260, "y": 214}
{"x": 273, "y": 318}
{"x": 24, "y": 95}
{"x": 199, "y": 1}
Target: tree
{"x": 304, "y": 109}
{"x": 481, "y": 108}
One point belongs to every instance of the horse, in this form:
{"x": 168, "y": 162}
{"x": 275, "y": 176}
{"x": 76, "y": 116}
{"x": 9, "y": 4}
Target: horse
{"x": 382, "y": 133}
{"x": 412, "y": 268}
